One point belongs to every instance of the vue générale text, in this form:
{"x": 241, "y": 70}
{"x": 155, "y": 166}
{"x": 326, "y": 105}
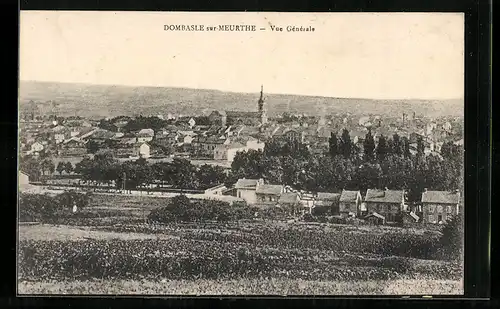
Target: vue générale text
{"x": 235, "y": 28}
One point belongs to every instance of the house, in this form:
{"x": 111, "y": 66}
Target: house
{"x": 228, "y": 152}
{"x": 349, "y": 203}
{"x": 268, "y": 194}
{"x": 145, "y": 135}
{"x": 245, "y": 189}
{"x": 73, "y": 147}
{"x": 205, "y": 145}
{"x": 36, "y": 147}
{"x": 144, "y": 150}
{"x": 287, "y": 134}
{"x": 388, "y": 203}
{"x": 290, "y": 201}
{"x": 439, "y": 206}
{"x": 328, "y": 201}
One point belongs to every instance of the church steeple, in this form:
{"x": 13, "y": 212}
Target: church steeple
{"x": 261, "y": 99}
{"x": 262, "y": 112}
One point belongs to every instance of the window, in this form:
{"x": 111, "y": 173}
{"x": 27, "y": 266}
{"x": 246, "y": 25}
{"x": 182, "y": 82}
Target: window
{"x": 430, "y": 219}
{"x": 239, "y": 194}
{"x": 448, "y": 209}
{"x": 431, "y": 208}
{"x": 440, "y": 209}
{"x": 440, "y": 218}
{"x": 270, "y": 199}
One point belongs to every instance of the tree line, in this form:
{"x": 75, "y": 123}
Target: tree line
{"x": 388, "y": 163}
{"x": 180, "y": 173}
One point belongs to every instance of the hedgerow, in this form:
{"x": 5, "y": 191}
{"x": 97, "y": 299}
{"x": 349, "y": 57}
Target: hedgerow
{"x": 46, "y": 208}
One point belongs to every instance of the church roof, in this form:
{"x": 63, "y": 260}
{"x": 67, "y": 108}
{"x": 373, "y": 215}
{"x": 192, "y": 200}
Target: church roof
{"x": 242, "y": 114}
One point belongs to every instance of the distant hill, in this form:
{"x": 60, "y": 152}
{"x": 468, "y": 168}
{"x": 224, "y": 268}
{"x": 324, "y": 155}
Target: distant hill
{"x": 85, "y": 100}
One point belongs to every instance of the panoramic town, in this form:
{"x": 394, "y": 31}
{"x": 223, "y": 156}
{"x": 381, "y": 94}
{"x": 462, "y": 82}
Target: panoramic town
{"x": 394, "y": 176}
{"x": 155, "y": 162}
{"x": 239, "y": 156}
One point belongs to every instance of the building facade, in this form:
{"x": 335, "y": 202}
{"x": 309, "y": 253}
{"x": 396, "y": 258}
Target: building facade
{"x": 349, "y": 203}
{"x": 388, "y": 203}
{"x": 439, "y": 206}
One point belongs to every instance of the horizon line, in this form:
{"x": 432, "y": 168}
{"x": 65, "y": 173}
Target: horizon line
{"x": 242, "y": 92}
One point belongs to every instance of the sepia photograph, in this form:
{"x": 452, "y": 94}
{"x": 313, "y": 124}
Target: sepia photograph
{"x": 256, "y": 153}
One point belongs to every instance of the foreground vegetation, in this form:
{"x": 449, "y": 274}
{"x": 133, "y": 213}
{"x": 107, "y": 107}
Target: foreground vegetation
{"x": 279, "y": 287}
{"x": 218, "y": 245}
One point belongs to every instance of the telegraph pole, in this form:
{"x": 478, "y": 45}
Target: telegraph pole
{"x": 123, "y": 182}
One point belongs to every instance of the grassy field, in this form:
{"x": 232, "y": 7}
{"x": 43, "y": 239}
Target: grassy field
{"x": 110, "y": 249}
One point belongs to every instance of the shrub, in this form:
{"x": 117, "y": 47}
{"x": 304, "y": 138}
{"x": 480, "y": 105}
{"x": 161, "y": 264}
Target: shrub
{"x": 182, "y": 209}
{"x": 451, "y": 240}
{"x": 43, "y": 207}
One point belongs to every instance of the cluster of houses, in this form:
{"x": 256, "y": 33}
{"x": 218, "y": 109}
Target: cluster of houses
{"x": 377, "y": 206}
{"x": 221, "y": 136}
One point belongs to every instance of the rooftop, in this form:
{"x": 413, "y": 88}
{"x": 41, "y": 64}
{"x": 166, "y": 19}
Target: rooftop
{"x": 441, "y": 197}
{"x": 269, "y": 189}
{"x": 384, "y": 196}
{"x": 326, "y": 196}
{"x": 348, "y": 196}
{"x": 246, "y": 183}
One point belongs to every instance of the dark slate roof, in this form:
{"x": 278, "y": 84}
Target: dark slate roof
{"x": 441, "y": 197}
{"x": 384, "y": 196}
{"x": 246, "y": 183}
{"x": 289, "y": 198}
{"x": 348, "y": 196}
{"x": 269, "y": 189}
{"x": 325, "y": 196}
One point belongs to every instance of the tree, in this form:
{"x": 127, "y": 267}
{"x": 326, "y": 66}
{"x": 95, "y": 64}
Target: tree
{"x": 397, "y": 145}
{"x": 368, "y": 176}
{"x": 369, "y": 146}
{"x": 84, "y": 168}
{"x": 92, "y": 146}
{"x": 68, "y": 167}
{"x": 210, "y": 175}
{"x": 345, "y": 144}
{"x": 48, "y": 166}
{"x": 452, "y": 238}
{"x": 333, "y": 145}
{"x": 185, "y": 174}
{"x": 420, "y": 146}
{"x": 61, "y": 166}
{"x": 31, "y": 166}
{"x": 382, "y": 148}
{"x": 406, "y": 147}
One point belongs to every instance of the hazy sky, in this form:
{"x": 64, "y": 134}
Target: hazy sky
{"x": 390, "y": 55}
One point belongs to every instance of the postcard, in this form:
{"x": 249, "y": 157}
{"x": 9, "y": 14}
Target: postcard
{"x": 256, "y": 153}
